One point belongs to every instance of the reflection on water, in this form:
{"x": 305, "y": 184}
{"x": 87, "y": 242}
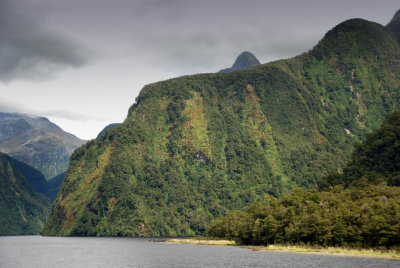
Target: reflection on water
{"x": 37, "y": 251}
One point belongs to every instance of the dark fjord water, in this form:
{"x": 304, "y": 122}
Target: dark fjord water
{"x": 54, "y": 252}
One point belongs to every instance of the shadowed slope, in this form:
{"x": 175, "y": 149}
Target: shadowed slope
{"x": 22, "y": 210}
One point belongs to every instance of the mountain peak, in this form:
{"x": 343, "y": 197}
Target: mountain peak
{"x": 112, "y": 125}
{"x": 37, "y": 142}
{"x": 358, "y": 38}
{"x": 394, "y": 26}
{"x": 243, "y": 61}
{"x": 396, "y": 16}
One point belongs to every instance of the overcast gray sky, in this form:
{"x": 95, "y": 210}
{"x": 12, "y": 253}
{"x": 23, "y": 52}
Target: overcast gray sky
{"x": 81, "y": 63}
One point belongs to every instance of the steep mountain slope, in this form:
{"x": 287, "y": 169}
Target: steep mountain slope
{"x": 394, "y": 26}
{"x": 33, "y": 177}
{"x": 54, "y": 185}
{"x": 22, "y": 210}
{"x": 37, "y": 142}
{"x": 244, "y": 61}
{"x": 374, "y": 161}
{"x": 195, "y": 147}
{"x": 356, "y": 207}
{"x": 36, "y": 179}
{"x": 113, "y": 125}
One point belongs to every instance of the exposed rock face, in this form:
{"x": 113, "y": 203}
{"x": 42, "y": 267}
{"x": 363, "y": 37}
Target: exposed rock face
{"x": 243, "y": 61}
{"x": 396, "y": 16}
{"x": 394, "y": 26}
{"x": 37, "y": 142}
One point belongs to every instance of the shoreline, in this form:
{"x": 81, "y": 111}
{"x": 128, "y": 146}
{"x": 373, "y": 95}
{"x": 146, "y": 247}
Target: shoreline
{"x": 329, "y": 251}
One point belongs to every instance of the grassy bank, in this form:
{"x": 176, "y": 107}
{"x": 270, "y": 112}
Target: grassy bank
{"x": 201, "y": 241}
{"x": 367, "y": 253}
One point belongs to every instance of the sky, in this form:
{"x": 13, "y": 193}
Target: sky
{"x": 82, "y": 63}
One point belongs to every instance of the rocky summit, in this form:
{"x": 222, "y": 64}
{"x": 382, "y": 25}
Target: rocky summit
{"x": 394, "y": 26}
{"x": 243, "y": 61}
{"x": 37, "y": 142}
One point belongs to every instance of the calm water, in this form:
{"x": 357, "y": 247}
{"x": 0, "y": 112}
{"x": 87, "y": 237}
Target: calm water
{"x": 37, "y": 251}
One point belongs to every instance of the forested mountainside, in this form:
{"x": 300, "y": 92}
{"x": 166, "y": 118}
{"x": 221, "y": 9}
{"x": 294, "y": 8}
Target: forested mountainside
{"x": 109, "y": 126}
{"x": 54, "y": 185}
{"x": 196, "y": 147}
{"x": 33, "y": 176}
{"x": 376, "y": 160}
{"x": 36, "y": 179}
{"x": 356, "y": 208}
{"x": 22, "y": 209}
{"x": 37, "y": 142}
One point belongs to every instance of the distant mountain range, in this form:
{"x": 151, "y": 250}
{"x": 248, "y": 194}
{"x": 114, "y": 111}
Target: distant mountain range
{"x": 22, "y": 210}
{"x": 244, "y": 61}
{"x": 37, "y": 142}
{"x": 196, "y": 147}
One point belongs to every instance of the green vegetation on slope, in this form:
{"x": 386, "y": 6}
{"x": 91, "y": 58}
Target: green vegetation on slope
{"x": 22, "y": 210}
{"x": 36, "y": 179}
{"x": 53, "y": 186}
{"x": 362, "y": 215}
{"x": 376, "y": 160}
{"x": 109, "y": 126}
{"x": 351, "y": 217}
{"x": 196, "y": 147}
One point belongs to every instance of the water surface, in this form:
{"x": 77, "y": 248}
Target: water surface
{"x": 37, "y": 251}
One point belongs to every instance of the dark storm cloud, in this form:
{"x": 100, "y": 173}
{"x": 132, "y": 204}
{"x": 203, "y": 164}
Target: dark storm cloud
{"x": 28, "y": 52}
{"x": 186, "y": 36}
{"x": 181, "y": 36}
